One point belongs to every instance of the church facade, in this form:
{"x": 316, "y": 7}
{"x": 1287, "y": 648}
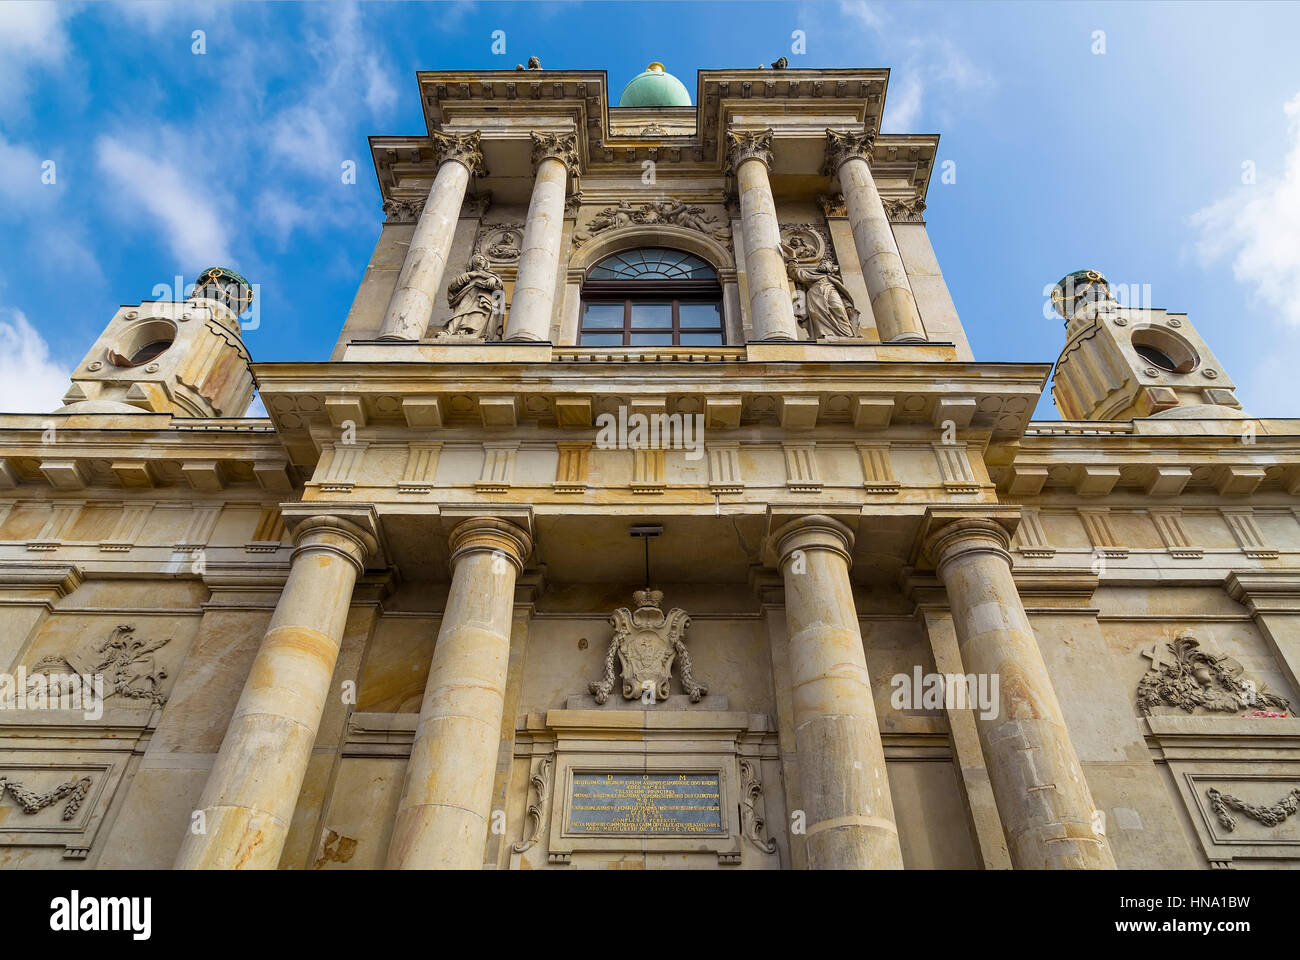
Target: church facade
{"x": 651, "y": 511}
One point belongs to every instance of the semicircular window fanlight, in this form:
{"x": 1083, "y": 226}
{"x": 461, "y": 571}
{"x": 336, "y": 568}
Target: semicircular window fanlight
{"x": 652, "y": 263}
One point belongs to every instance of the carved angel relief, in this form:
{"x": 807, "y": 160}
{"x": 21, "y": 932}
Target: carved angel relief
{"x": 1195, "y": 678}
{"x": 670, "y": 211}
{"x": 645, "y": 643}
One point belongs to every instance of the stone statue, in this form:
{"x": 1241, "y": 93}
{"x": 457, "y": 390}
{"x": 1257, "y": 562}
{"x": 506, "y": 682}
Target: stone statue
{"x": 472, "y": 299}
{"x": 828, "y": 307}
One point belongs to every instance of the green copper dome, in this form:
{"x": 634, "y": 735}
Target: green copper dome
{"x": 655, "y": 88}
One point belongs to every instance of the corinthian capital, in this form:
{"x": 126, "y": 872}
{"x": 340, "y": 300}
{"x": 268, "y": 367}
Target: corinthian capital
{"x": 464, "y": 148}
{"x": 749, "y": 145}
{"x": 556, "y": 146}
{"x": 846, "y": 146}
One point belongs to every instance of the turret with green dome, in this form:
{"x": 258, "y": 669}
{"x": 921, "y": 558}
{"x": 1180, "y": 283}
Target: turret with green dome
{"x": 655, "y": 87}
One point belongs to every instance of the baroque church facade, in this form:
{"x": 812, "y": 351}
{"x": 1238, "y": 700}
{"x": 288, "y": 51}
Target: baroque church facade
{"x": 651, "y": 511}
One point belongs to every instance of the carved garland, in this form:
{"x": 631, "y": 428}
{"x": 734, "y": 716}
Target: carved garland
{"x": 1269, "y": 816}
{"x": 1196, "y": 678}
{"x": 74, "y": 790}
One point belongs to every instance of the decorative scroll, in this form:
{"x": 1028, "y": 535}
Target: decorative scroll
{"x": 1195, "y": 678}
{"x": 646, "y": 643}
{"x": 1269, "y": 816}
{"x": 74, "y": 790}
{"x": 751, "y": 824}
{"x": 126, "y": 664}
{"x": 540, "y": 781}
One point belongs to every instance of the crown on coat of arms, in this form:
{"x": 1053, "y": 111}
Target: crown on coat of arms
{"x": 648, "y": 598}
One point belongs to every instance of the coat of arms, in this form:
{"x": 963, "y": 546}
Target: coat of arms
{"x": 1196, "y": 678}
{"x": 645, "y": 643}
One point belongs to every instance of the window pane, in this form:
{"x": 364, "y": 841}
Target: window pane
{"x": 652, "y": 340}
{"x": 701, "y": 339}
{"x": 699, "y": 315}
{"x": 603, "y": 315}
{"x": 602, "y": 340}
{"x": 652, "y": 315}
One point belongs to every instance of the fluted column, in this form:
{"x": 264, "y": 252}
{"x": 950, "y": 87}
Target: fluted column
{"x": 445, "y": 808}
{"x": 770, "y": 307}
{"x": 842, "y": 777}
{"x": 411, "y": 306}
{"x": 1043, "y": 800}
{"x": 251, "y": 793}
{"x": 555, "y": 157}
{"x": 892, "y": 302}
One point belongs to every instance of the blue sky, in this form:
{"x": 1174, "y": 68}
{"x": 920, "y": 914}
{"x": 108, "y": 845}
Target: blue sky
{"x": 1131, "y": 160}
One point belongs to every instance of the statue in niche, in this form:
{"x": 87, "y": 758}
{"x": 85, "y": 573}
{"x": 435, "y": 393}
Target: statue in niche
{"x": 646, "y": 642}
{"x": 1196, "y": 678}
{"x": 828, "y": 307}
{"x": 473, "y": 300}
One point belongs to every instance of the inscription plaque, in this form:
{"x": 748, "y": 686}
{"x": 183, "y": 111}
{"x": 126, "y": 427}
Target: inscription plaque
{"x": 648, "y": 804}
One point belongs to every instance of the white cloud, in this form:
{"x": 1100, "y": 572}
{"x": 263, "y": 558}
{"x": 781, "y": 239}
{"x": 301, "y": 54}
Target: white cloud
{"x": 183, "y": 210}
{"x": 929, "y": 68}
{"x": 1257, "y": 226}
{"x": 20, "y": 177}
{"x": 31, "y": 35}
{"x": 30, "y": 381}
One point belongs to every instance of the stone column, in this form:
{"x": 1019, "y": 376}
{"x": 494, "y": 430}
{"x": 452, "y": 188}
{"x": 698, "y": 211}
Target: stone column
{"x": 249, "y": 798}
{"x": 443, "y": 815}
{"x": 1043, "y": 800}
{"x": 555, "y": 157}
{"x": 771, "y": 309}
{"x": 412, "y": 303}
{"x": 892, "y": 302}
{"x": 842, "y": 779}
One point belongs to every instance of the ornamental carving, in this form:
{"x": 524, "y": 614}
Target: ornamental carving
{"x": 752, "y": 824}
{"x": 832, "y": 204}
{"x": 825, "y": 305}
{"x": 125, "y": 662}
{"x": 74, "y": 790}
{"x": 905, "y": 210}
{"x": 669, "y": 211}
{"x": 465, "y": 148}
{"x": 749, "y": 145}
{"x": 846, "y": 146}
{"x": 540, "y": 784}
{"x": 500, "y": 242}
{"x": 476, "y": 205}
{"x": 473, "y": 298}
{"x": 1269, "y": 816}
{"x": 403, "y": 211}
{"x": 556, "y": 146}
{"x": 645, "y": 645}
{"x": 1195, "y": 678}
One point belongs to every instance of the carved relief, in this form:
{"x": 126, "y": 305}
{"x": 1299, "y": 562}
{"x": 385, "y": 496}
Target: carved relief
{"x": 646, "y": 643}
{"x": 805, "y": 242}
{"x": 556, "y": 146}
{"x": 500, "y": 242}
{"x": 403, "y": 211}
{"x": 1195, "y": 678}
{"x": 464, "y": 148}
{"x": 126, "y": 664}
{"x": 1269, "y": 816}
{"x": 476, "y": 205}
{"x": 751, "y": 824}
{"x": 667, "y": 211}
{"x": 74, "y": 790}
{"x": 905, "y": 210}
{"x": 832, "y": 205}
{"x": 471, "y": 296}
{"x": 540, "y": 783}
{"x": 750, "y": 145}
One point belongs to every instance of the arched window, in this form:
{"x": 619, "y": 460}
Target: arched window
{"x": 651, "y": 296}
